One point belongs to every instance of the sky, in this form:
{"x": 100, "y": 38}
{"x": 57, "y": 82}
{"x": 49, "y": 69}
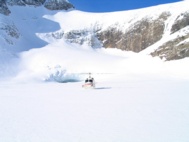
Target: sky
{"x": 115, "y": 5}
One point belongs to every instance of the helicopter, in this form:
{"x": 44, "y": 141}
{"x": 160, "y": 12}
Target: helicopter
{"x": 89, "y": 82}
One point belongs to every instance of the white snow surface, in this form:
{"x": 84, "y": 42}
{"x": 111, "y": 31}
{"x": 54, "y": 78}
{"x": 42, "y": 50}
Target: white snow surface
{"x": 137, "y": 98}
{"x": 140, "y": 109}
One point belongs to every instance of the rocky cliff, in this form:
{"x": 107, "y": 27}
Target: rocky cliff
{"x": 49, "y": 4}
{"x": 145, "y": 33}
{"x": 3, "y": 8}
{"x": 58, "y": 5}
{"x": 137, "y": 37}
{"x": 163, "y": 30}
{"x": 178, "y": 47}
{"x": 168, "y": 32}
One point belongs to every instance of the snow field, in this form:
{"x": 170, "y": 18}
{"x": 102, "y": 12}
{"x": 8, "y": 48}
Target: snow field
{"x": 117, "y": 110}
{"x": 137, "y": 98}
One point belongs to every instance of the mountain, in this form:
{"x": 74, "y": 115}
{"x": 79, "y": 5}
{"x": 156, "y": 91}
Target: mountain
{"x": 45, "y": 56}
{"x": 159, "y": 31}
{"x": 3, "y": 8}
{"x": 163, "y": 28}
{"x": 49, "y": 4}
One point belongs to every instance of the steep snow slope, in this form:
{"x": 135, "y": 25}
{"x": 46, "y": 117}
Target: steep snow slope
{"x": 28, "y": 24}
{"x": 37, "y": 27}
{"x": 62, "y": 62}
{"x": 18, "y": 33}
{"x": 134, "y": 30}
{"x": 32, "y": 21}
{"x": 122, "y": 19}
{"x": 61, "y": 59}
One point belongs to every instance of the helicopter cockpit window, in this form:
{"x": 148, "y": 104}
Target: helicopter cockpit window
{"x": 90, "y": 80}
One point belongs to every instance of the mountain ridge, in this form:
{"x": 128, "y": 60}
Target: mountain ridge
{"x": 144, "y": 30}
{"x": 49, "y": 4}
{"x": 159, "y": 30}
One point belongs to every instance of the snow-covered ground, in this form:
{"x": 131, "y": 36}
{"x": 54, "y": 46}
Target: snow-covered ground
{"x": 133, "y": 109}
{"x": 137, "y": 98}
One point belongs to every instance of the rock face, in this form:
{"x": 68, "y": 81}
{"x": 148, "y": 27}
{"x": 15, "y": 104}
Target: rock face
{"x": 138, "y": 36}
{"x": 145, "y": 33}
{"x": 3, "y": 8}
{"x": 174, "y": 49}
{"x": 25, "y": 2}
{"x": 9, "y": 32}
{"x": 168, "y": 31}
{"x": 49, "y": 4}
{"x": 181, "y": 22}
{"x": 141, "y": 35}
{"x": 177, "y": 48}
{"x": 58, "y": 5}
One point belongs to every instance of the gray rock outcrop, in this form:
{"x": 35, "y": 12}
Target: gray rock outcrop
{"x": 174, "y": 49}
{"x": 58, "y": 5}
{"x": 49, "y": 4}
{"x": 137, "y": 37}
{"x": 3, "y": 8}
{"x": 25, "y": 2}
{"x": 145, "y": 33}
